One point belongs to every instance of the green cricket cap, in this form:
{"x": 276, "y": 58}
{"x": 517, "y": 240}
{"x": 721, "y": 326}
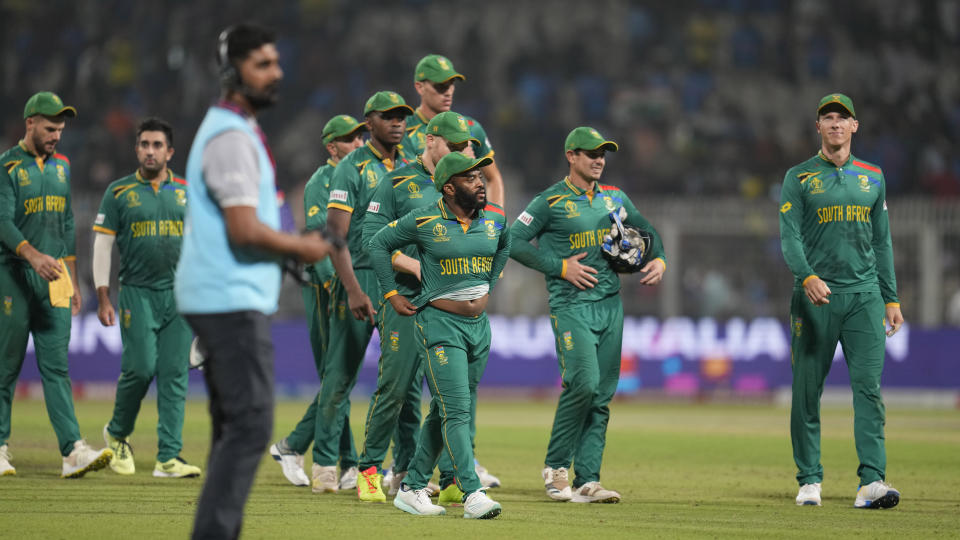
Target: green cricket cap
{"x": 384, "y": 101}
{"x": 341, "y": 125}
{"x": 47, "y": 104}
{"x": 587, "y": 138}
{"x": 436, "y": 68}
{"x": 840, "y": 100}
{"x": 456, "y": 163}
{"x": 452, "y": 127}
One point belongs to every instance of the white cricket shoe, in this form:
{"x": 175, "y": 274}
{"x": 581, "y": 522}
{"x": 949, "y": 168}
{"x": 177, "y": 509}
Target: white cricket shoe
{"x": 6, "y": 469}
{"x": 84, "y": 459}
{"x": 487, "y": 480}
{"x": 290, "y": 462}
{"x": 417, "y": 502}
{"x": 593, "y": 492}
{"x": 348, "y": 480}
{"x": 325, "y": 479}
{"x": 557, "y": 483}
{"x": 479, "y": 506}
{"x": 809, "y": 495}
{"x": 876, "y": 495}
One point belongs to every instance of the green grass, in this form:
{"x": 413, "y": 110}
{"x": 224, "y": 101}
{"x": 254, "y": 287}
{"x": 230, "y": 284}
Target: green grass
{"x": 683, "y": 470}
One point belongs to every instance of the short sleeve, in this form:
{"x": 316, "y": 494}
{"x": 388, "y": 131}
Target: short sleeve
{"x": 231, "y": 170}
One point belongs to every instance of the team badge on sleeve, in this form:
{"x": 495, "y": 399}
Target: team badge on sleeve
{"x": 525, "y": 218}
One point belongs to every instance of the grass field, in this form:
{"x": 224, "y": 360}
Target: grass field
{"x": 683, "y": 471}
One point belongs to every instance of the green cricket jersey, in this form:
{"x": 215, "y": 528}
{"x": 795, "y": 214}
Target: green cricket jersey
{"x": 416, "y": 137}
{"x": 834, "y": 225}
{"x": 148, "y": 224}
{"x": 351, "y": 187}
{"x": 452, "y": 256}
{"x": 398, "y": 193}
{"x": 35, "y": 204}
{"x": 316, "y": 195}
{"x": 566, "y": 221}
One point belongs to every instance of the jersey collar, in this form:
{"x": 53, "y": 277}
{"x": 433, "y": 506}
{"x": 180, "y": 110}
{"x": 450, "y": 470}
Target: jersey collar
{"x": 826, "y": 160}
{"x": 423, "y": 168}
{"x": 578, "y": 191}
{"x": 448, "y": 214}
{"x": 390, "y": 163}
{"x": 419, "y": 114}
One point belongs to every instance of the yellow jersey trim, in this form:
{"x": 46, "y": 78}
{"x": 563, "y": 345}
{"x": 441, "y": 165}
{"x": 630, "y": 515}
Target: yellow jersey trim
{"x": 70, "y": 258}
{"x": 563, "y": 269}
{"x": 339, "y": 206}
{"x": 811, "y": 276}
{"x": 389, "y": 294}
{"x": 395, "y": 255}
{"x": 104, "y": 230}
{"x": 663, "y": 262}
{"x": 20, "y": 245}
{"x": 893, "y": 304}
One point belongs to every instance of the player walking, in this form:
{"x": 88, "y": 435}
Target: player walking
{"x": 569, "y": 221}
{"x": 462, "y": 245}
{"x": 835, "y": 237}
{"x": 38, "y": 278}
{"x": 144, "y": 212}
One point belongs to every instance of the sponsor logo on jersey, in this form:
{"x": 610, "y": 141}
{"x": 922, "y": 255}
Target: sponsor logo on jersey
{"x": 133, "y": 199}
{"x": 786, "y": 207}
{"x": 338, "y": 195}
{"x": 100, "y": 219}
{"x": 373, "y": 207}
{"x": 440, "y": 354}
{"x": 394, "y": 340}
{"x": 414, "y": 190}
{"x": 525, "y": 218}
{"x": 61, "y": 174}
{"x": 571, "y": 208}
{"x": 440, "y": 233}
{"x": 864, "y": 183}
{"x": 314, "y": 210}
{"x": 884, "y": 205}
{"x": 816, "y": 185}
{"x": 181, "y": 197}
{"x": 23, "y": 177}
{"x": 568, "y": 340}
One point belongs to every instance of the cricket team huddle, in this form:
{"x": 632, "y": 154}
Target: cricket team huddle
{"x": 406, "y": 232}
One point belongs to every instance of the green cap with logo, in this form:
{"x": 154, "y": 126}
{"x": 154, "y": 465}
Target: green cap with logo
{"x": 452, "y": 127}
{"x": 384, "y": 101}
{"x": 587, "y": 138}
{"x": 838, "y": 99}
{"x": 341, "y": 125}
{"x": 436, "y": 68}
{"x": 456, "y": 163}
{"x": 47, "y": 104}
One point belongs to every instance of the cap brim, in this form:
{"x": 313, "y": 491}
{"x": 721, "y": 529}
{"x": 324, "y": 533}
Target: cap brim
{"x": 463, "y": 140}
{"x": 407, "y": 108}
{"x": 68, "y": 111}
{"x": 605, "y": 145}
{"x": 837, "y": 103}
{"x": 477, "y": 163}
{"x": 329, "y": 137}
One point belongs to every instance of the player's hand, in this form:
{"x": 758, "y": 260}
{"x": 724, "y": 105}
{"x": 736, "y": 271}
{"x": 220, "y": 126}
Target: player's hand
{"x": 313, "y": 247}
{"x": 45, "y": 265}
{"x": 653, "y": 272}
{"x": 362, "y": 307}
{"x": 580, "y": 275}
{"x": 106, "y": 314}
{"x": 402, "y": 306}
{"x": 894, "y": 319}
{"x": 76, "y": 302}
{"x": 817, "y": 291}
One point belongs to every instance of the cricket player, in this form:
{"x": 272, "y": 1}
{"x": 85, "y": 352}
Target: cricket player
{"x": 435, "y": 81}
{"x": 38, "y": 278}
{"x": 462, "y": 245}
{"x": 395, "y": 405}
{"x": 144, "y": 212}
{"x": 353, "y": 315}
{"x": 569, "y": 221}
{"x": 341, "y": 135}
{"x": 835, "y": 237}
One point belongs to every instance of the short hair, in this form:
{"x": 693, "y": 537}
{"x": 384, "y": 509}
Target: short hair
{"x": 156, "y": 124}
{"x": 241, "y": 39}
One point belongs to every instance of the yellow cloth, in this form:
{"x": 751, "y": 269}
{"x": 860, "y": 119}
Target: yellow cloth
{"x": 61, "y": 289}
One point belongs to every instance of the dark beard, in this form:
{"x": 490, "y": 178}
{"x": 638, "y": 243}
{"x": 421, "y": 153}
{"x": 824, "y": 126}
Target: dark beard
{"x": 466, "y": 200}
{"x": 262, "y": 99}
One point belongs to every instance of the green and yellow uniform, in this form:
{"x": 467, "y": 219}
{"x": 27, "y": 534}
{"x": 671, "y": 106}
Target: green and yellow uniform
{"x": 351, "y": 188}
{"x": 395, "y": 406}
{"x": 453, "y": 256}
{"x": 147, "y": 220}
{"x": 316, "y": 301}
{"x": 834, "y": 225}
{"x": 416, "y": 138}
{"x": 587, "y": 324}
{"x": 35, "y": 208}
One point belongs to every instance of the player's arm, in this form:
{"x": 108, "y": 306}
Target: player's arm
{"x": 791, "y": 241}
{"x": 105, "y": 234}
{"x": 46, "y": 266}
{"x": 232, "y": 176}
{"x": 496, "y": 193}
{"x": 343, "y": 195}
{"x": 657, "y": 260}
{"x": 502, "y": 254}
{"x": 381, "y": 210}
{"x": 883, "y": 249}
{"x": 315, "y": 209}
{"x": 529, "y": 225}
{"x": 387, "y": 240}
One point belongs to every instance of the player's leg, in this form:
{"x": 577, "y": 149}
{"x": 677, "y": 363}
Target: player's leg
{"x": 315, "y": 302}
{"x": 863, "y": 338}
{"x": 409, "y": 420}
{"x": 51, "y": 336}
{"x": 173, "y": 368}
{"x": 138, "y": 362}
{"x": 815, "y": 333}
{"x": 14, "y": 332}
{"x": 239, "y": 376}
{"x": 607, "y": 320}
